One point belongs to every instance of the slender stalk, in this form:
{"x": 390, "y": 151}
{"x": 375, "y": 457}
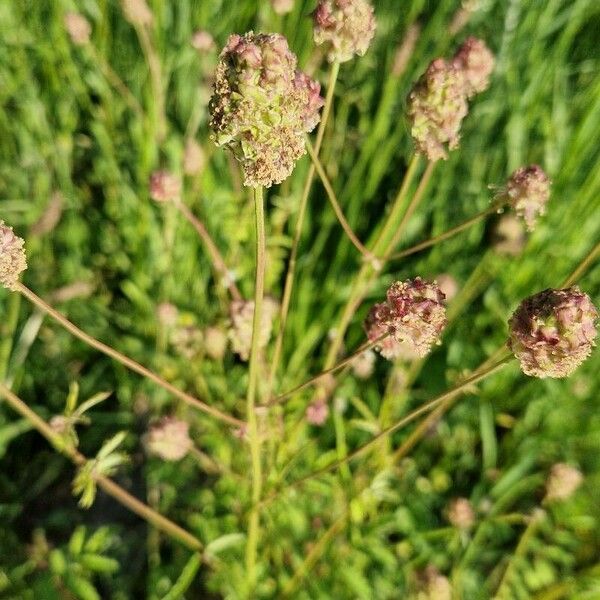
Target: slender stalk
{"x": 217, "y": 260}
{"x": 7, "y": 331}
{"x": 336, "y": 205}
{"x": 125, "y": 360}
{"x": 450, "y": 233}
{"x": 591, "y": 256}
{"x": 109, "y": 486}
{"x": 424, "y": 408}
{"x": 254, "y": 519}
{"x": 291, "y": 271}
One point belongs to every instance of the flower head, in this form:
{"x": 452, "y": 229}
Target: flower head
{"x": 282, "y": 7}
{"x": 78, "y": 28}
{"x": 215, "y": 342}
{"x": 137, "y": 12}
{"x": 242, "y": 316}
{"x": 562, "y": 482}
{"x": 317, "y": 412}
{"x": 193, "y": 158}
{"x": 12, "y": 257}
{"x": 363, "y": 364}
{"x": 261, "y": 107}
{"x": 528, "y": 191}
{"x": 347, "y": 25}
{"x": 476, "y": 62}
{"x": 553, "y": 332}
{"x": 509, "y": 236}
{"x": 168, "y": 439}
{"x": 413, "y": 316}
{"x": 437, "y": 105}
{"x": 461, "y": 514}
{"x": 203, "y": 41}
{"x": 164, "y": 186}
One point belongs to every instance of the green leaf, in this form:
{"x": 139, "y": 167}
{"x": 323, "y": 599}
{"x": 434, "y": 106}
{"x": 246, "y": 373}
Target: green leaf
{"x": 185, "y": 578}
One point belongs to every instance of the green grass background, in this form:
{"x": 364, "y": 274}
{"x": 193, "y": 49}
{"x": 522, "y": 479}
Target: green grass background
{"x": 64, "y": 131}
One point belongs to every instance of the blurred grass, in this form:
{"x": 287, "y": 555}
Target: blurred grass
{"x": 64, "y": 131}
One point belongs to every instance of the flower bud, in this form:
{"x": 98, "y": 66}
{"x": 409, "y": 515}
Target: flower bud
{"x": 437, "y": 105}
{"x": 317, "y": 412}
{"x": 553, "y": 332}
{"x": 347, "y": 25}
{"x": 12, "y": 257}
{"x": 413, "y": 316}
{"x": 528, "y": 191}
{"x": 242, "y": 317}
{"x": 78, "y": 28}
{"x": 261, "y": 107}
{"x": 476, "y": 62}
{"x": 164, "y": 186}
{"x": 282, "y": 7}
{"x": 203, "y": 41}
{"x": 562, "y": 482}
{"x": 168, "y": 439}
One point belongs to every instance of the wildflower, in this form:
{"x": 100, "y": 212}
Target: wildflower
{"x": 242, "y": 316}
{"x": 460, "y": 513}
{"x": 528, "y": 191}
{"x": 476, "y": 62}
{"x": 553, "y": 332}
{"x": 282, "y": 7}
{"x": 164, "y": 186}
{"x": 78, "y": 28}
{"x": 562, "y": 482}
{"x": 509, "y": 236}
{"x": 261, "y": 107}
{"x": 168, "y": 439}
{"x": 437, "y": 105}
{"x": 363, "y": 364}
{"x": 215, "y": 342}
{"x": 12, "y": 257}
{"x": 347, "y": 25}
{"x": 413, "y": 316}
{"x": 193, "y": 158}
{"x": 317, "y": 412}
{"x": 203, "y": 41}
{"x": 137, "y": 12}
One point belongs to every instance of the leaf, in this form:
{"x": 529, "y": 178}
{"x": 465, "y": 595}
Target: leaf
{"x": 224, "y": 542}
{"x": 185, "y": 578}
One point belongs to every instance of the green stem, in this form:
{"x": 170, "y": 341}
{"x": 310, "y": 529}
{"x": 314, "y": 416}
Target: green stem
{"x": 7, "y": 331}
{"x": 254, "y": 518}
{"x": 583, "y": 266}
{"x": 291, "y": 271}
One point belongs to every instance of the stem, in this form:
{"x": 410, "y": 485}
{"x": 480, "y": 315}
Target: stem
{"x": 450, "y": 233}
{"x": 291, "y": 271}
{"x": 7, "y": 331}
{"x": 424, "y": 408}
{"x": 109, "y": 486}
{"x": 125, "y": 360}
{"x": 583, "y": 265}
{"x": 218, "y": 262}
{"x": 336, "y": 205}
{"x": 254, "y": 519}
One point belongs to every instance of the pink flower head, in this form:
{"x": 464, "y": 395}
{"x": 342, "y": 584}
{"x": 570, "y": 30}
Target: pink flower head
{"x": 476, "y": 62}
{"x": 317, "y": 412}
{"x": 78, "y": 28}
{"x": 282, "y": 7}
{"x": 348, "y": 26}
{"x": 169, "y": 439}
{"x": 563, "y": 481}
{"x": 413, "y": 316}
{"x": 437, "y": 106}
{"x": 314, "y": 101}
{"x": 528, "y": 191}
{"x": 164, "y": 186}
{"x": 12, "y": 257}
{"x": 553, "y": 332}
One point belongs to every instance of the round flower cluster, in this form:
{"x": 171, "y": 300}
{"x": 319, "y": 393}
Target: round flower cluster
{"x": 413, "y": 316}
{"x": 168, "y": 439}
{"x": 282, "y": 7}
{"x": 562, "y": 482}
{"x": 528, "y": 191}
{"x": 12, "y": 257}
{"x": 476, "y": 62}
{"x": 553, "y": 332}
{"x": 78, "y": 28}
{"x": 242, "y": 317}
{"x": 164, "y": 186}
{"x": 347, "y": 25}
{"x": 262, "y": 107}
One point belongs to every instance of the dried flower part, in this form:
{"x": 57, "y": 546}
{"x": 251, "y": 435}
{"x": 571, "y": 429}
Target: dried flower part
{"x": 553, "y": 332}
{"x": 193, "y": 158}
{"x": 12, "y": 257}
{"x": 347, "y": 25}
{"x": 282, "y": 7}
{"x": 562, "y": 482}
{"x": 242, "y": 316}
{"x": 168, "y": 439}
{"x": 261, "y": 107}
{"x": 528, "y": 191}
{"x": 137, "y": 12}
{"x": 363, "y": 364}
{"x": 476, "y": 62}
{"x": 461, "y": 514}
{"x": 215, "y": 342}
{"x": 203, "y": 41}
{"x": 509, "y": 236}
{"x": 317, "y": 412}
{"x": 78, "y": 28}
{"x": 414, "y": 316}
{"x": 437, "y": 105}
{"x": 164, "y": 186}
